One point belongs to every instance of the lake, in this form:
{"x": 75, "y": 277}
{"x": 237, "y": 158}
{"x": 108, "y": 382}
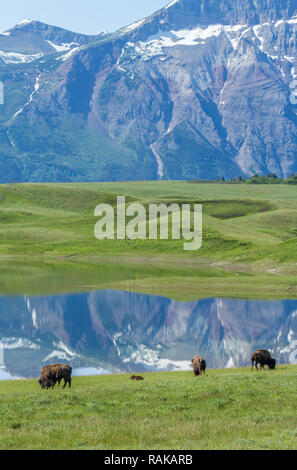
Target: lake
{"x": 109, "y": 331}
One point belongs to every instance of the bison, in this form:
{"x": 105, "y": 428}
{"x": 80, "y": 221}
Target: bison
{"x": 262, "y": 357}
{"x": 54, "y": 373}
{"x": 136, "y": 377}
{"x": 199, "y": 365}
{"x": 47, "y": 379}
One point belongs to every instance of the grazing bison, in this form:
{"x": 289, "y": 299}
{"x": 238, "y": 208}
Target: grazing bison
{"x": 54, "y": 373}
{"x": 199, "y": 365}
{"x": 262, "y": 357}
{"x": 47, "y": 379}
{"x": 136, "y": 377}
{"x": 46, "y": 382}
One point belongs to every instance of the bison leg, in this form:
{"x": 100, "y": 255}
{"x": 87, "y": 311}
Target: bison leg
{"x": 68, "y": 380}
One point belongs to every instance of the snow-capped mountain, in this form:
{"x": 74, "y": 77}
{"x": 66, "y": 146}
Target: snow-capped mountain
{"x": 200, "y": 89}
{"x": 30, "y": 40}
{"x": 121, "y": 331}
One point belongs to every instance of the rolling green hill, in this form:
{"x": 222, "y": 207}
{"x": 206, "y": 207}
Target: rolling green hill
{"x": 47, "y": 241}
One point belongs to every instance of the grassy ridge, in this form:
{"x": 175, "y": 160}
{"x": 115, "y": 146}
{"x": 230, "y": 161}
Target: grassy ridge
{"x": 249, "y": 241}
{"x": 226, "y": 409}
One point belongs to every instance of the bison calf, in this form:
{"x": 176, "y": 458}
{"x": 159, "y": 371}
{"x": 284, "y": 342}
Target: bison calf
{"x": 262, "y": 357}
{"x": 136, "y": 377}
{"x": 199, "y": 365}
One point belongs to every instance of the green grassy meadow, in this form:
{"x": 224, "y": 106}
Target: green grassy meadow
{"x": 226, "y": 409}
{"x": 47, "y": 246}
{"x": 47, "y": 241}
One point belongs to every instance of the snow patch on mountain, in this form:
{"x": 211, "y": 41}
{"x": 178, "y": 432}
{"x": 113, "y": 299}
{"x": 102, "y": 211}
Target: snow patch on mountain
{"x": 156, "y": 44}
{"x": 199, "y": 35}
{"x": 64, "y": 46}
{"x": 18, "y": 343}
{"x": 10, "y": 139}
{"x": 235, "y": 34}
{"x": 69, "y": 54}
{"x": 34, "y": 318}
{"x": 65, "y": 348}
{"x": 265, "y": 30}
{"x": 292, "y": 20}
{"x": 36, "y": 88}
{"x": 256, "y": 31}
{"x": 26, "y": 21}
{"x": 63, "y": 353}
{"x": 56, "y": 355}
{"x": 289, "y": 59}
{"x": 16, "y": 58}
{"x": 277, "y": 340}
{"x": 151, "y": 360}
{"x": 290, "y": 336}
{"x": 230, "y": 364}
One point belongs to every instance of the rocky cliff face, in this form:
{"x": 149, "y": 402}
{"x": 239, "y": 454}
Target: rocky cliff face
{"x": 200, "y": 89}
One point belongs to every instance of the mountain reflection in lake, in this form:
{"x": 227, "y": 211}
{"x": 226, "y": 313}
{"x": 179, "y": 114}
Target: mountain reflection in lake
{"x": 113, "y": 331}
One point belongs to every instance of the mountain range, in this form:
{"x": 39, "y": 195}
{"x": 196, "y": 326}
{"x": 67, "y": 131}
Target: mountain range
{"x": 198, "y": 90}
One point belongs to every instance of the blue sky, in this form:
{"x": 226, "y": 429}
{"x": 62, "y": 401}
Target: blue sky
{"x": 83, "y": 16}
